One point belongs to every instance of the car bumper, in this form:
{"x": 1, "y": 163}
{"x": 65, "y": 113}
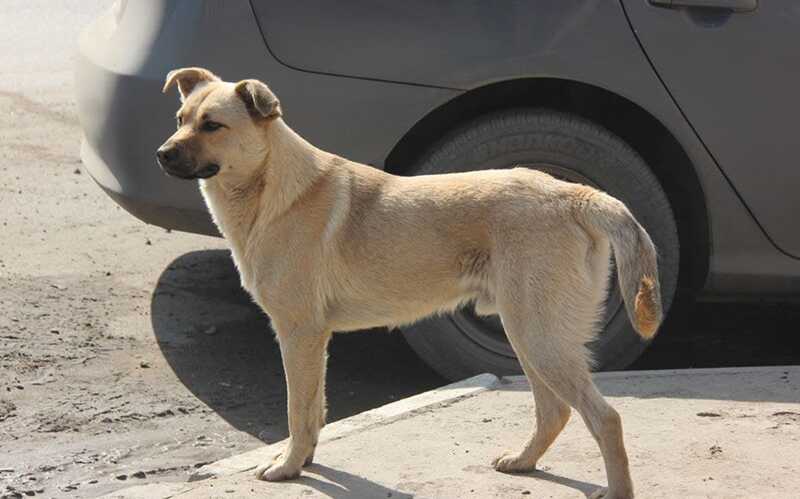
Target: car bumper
{"x": 150, "y": 209}
{"x": 123, "y": 58}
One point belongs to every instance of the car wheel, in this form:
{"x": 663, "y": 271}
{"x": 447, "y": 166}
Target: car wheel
{"x": 463, "y": 344}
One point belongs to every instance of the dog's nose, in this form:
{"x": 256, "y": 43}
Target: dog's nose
{"x": 167, "y": 154}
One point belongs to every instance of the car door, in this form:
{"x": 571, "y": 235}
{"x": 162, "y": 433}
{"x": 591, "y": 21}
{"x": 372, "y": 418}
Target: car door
{"x": 733, "y": 68}
{"x": 447, "y": 43}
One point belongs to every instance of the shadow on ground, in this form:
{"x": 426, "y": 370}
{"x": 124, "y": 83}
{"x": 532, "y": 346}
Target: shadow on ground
{"x": 220, "y": 346}
{"x": 222, "y": 349}
{"x": 338, "y": 484}
{"x": 701, "y": 335}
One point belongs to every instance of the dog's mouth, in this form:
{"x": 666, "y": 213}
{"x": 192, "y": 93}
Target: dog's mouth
{"x": 205, "y": 172}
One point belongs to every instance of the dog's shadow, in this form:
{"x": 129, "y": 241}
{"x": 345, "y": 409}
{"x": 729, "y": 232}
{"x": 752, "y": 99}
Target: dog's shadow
{"x": 585, "y": 488}
{"x": 221, "y": 347}
{"x": 338, "y": 484}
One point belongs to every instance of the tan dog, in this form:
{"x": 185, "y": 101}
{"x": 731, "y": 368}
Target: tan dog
{"x": 324, "y": 244}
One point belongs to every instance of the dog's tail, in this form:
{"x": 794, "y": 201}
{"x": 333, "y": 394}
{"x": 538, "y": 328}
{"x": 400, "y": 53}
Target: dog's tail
{"x": 635, "y": 254}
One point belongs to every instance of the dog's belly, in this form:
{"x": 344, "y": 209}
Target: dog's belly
{"x": 365, "y": 314}
{"x": 407, "y": 294}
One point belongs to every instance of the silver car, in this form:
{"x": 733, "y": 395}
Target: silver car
{"x": 685, "y": 109}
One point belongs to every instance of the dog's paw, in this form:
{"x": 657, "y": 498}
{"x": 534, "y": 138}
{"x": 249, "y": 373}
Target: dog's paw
{"x": 277, "y": 471}
{"x": 599, "y": 493}
{"x": 603, "y": 493}
{"x": 308, "y": 462}
{"x": 513, "y": 463}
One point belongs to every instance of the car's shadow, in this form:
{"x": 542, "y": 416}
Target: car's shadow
{"x": 221, "y": 347}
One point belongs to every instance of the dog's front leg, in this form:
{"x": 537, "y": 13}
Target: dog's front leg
{"x": 304, "y": 357}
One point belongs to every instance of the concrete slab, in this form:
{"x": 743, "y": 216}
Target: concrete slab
{"x": 691, "y": 433}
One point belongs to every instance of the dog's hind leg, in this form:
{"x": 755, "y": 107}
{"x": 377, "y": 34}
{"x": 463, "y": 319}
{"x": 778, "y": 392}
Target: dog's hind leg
{"x": 304, "y": 357}
{"x": 549, "y": 316}
{"x": 603, "y": 422}
{"x": 552, "y": 414}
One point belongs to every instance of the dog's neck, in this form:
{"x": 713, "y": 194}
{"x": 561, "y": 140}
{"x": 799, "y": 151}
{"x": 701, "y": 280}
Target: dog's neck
{"x": 292, "y": 165}
{"x": 289, "y": 168}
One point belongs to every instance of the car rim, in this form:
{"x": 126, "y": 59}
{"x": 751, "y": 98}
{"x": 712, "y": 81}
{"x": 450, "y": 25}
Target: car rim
{"x": 487, "y": 331}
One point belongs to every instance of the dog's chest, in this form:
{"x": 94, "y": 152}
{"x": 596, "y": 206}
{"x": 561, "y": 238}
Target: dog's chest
{"x": 278, "y": 266}
{"x": 231, "y": 219}
{"x": 279, "y": 260}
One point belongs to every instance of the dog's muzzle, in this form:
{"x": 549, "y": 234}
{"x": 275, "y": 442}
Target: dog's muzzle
{"x": 170, "y": 160}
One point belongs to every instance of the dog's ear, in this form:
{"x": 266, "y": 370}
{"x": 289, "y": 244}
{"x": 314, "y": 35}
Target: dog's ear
{"x": 261, "y": 103}
{"x": 187, "y": 79}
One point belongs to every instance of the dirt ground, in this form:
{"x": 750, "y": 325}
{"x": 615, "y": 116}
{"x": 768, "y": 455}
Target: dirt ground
{"x": 128, "y": 353}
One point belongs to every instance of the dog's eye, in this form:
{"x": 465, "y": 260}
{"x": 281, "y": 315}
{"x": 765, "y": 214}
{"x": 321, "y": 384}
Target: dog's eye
{"x": 210, "y": 126}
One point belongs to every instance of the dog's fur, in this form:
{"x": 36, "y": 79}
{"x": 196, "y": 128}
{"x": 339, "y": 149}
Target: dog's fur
{"x": 324, "y": 244}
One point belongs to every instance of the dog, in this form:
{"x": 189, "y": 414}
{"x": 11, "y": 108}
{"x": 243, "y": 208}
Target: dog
{"x": 325, "y": 244}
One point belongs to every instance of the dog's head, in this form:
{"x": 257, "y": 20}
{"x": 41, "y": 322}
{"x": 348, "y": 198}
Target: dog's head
{"x": 222, "y": 126}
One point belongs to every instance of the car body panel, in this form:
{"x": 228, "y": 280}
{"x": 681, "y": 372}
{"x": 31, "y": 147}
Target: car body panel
{"x": 125, "y": 117}
{"x": 451, "y": 43}
{"x": 735, "y": 77}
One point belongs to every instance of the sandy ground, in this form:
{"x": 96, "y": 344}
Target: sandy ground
{"x": 128, "y": 353}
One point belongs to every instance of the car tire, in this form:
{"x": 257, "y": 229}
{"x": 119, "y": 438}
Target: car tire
{"x": 462, "y": 344}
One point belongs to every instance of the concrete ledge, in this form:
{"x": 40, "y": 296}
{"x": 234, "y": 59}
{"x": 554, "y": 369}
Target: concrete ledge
{"x": 369, "y": 419}
{"x": 694, "y": 373}
{"x": 601, "y": 377}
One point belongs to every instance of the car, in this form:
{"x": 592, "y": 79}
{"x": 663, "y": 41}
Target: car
{"x": 684, "y": 109}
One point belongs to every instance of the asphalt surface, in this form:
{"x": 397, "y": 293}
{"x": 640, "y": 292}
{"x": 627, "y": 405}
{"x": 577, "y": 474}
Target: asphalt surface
{"x": 130, "y": 354}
